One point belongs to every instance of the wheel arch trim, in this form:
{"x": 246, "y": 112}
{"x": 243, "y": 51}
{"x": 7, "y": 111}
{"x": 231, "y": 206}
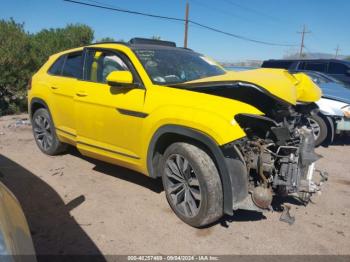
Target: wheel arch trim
{"x": 214, "y": 148}
{"x": 37, "y": 100}
{"x": 41, "y": 102}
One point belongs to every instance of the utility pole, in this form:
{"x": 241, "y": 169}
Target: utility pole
{"x": 302, "y": 40}
{"x": 186, "y": 24}
{"x": 337, "y": 51}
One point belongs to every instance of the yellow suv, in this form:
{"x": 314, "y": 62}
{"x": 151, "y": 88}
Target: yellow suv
{"x": 221, "y": 141}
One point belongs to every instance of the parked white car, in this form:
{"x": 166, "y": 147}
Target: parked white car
{"x": 334, "y": 115}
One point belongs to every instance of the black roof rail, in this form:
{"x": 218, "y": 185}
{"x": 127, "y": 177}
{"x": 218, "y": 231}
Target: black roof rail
{"x": 142, "y": 41}
{"x": 186, "y": 48}
{"x": 110, "y": 42}
{"x": 146, "y": 41}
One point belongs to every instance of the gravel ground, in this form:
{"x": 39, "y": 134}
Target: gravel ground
{"x": 77, "y": 205}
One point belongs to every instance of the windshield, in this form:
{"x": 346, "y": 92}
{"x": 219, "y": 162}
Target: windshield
{"x": 319, "y": 78}
{"x": 174, "y": 66}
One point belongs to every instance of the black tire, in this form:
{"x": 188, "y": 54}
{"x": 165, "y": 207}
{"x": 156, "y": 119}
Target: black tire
{"x": 45, "y": 133}
{"x": 331, "y": 131}
{"x": 318, "y": 125}
{"x": 206, "y": 205}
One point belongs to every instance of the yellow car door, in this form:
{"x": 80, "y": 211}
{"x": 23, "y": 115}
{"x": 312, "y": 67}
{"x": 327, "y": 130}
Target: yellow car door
{"x": 109, "y": 118}
{"x": 63, "y": 83}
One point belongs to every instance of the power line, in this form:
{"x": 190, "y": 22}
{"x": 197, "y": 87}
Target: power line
{"x": 239, "y": 36}
{"x": 249, "y": 9}
{"x": 177, "y": 19}
{"x": 124, "y": 10}
{"x": 219, "y": 10}
{"x": 100, "y": 3}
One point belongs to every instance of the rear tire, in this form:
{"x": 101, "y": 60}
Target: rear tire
{"x": 45, "y": 133}
{"x": 319, "y": 128}
{"x": 192, "y": 184}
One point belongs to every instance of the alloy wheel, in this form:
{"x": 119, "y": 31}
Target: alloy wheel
{"x": 182, "y": 185}
{"x": 43, "y": 132}
{"x": 316, "y": 129}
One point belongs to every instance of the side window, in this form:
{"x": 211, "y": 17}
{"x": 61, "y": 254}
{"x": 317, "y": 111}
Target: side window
{"x": 314, "y": 66}
{"x": 73, "y": 67}
{"x": 56, "y": 68}
{"x": 337, "y": 68}
{"x": 99, "y": 64}
{"x": 300, "y": 65}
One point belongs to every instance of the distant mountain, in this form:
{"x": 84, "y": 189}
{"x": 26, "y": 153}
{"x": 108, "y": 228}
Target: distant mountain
{"x": 257, "y": 63}
{"x": 245, "y": 63}
{"x": 315, "y": 56}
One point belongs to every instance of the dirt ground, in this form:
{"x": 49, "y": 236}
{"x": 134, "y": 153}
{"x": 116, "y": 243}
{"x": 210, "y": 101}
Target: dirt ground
{"x": 77, "y": 205}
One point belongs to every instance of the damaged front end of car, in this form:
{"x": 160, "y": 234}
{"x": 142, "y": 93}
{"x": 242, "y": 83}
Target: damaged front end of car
{"x": 277, "y": 156}
{"x": 278, "y": 150}
{"x": 280, "y": 161}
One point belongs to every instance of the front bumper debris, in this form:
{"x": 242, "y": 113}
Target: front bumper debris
{"x": 292, "y": 173}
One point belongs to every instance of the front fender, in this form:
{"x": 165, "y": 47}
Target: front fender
{"x": 307, "y": 90}
{"x": 219, "y": 128}
{"x": 211, "y": 115}
{"x": 231, "y": 167}
{"x": 214, "y": 129}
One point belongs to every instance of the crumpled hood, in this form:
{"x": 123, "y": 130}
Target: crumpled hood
{"x": 278, "y": 82}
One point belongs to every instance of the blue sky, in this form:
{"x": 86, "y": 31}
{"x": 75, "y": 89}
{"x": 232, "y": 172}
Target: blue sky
{"x": 265, "y": 20}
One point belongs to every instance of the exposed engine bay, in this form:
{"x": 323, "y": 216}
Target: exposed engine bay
{"x": 279, "y": 158}
{"x": 278, "y": 150}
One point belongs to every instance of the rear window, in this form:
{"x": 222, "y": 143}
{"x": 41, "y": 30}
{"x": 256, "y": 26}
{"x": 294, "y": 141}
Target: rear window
{"x": 73, "y": 67}
{"x": 314, "y": 66}
{"x": 277, "y": 64}
{"x": 337, "y": 68}
{"x": 56, "y": 68}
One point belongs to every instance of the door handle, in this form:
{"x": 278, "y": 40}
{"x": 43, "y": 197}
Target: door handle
{"x": 81, "y": 94}
{"x": 54, "y": 87}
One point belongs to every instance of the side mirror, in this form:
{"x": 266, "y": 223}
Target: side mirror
{"x": 120, "y": 78}
{"x": 348, "y": 72}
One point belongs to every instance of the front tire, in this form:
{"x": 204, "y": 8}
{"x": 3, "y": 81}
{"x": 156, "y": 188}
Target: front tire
{"x": 192, "y": 184}
{"x": 45, "y": 133}
{"x": 319, "y": 128}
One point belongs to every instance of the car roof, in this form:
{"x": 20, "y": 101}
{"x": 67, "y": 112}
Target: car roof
{"x": 134, "y": 44}
{"x": 157, "y": 47}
